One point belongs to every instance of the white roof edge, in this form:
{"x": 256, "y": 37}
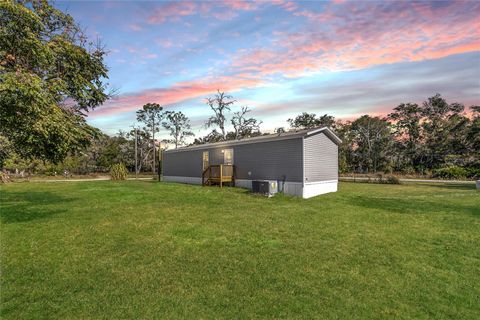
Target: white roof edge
{"x": 240, "y": 142}
{"x": 272, "y": 137}
{"x": 332, "y": 135}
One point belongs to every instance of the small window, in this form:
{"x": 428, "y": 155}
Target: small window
{"x": 228, "y": 156}
{"x": 205, "y": 159}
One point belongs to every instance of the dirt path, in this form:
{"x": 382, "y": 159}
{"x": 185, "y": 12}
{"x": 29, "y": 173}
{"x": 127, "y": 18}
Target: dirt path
{"x": 86, "y": 179}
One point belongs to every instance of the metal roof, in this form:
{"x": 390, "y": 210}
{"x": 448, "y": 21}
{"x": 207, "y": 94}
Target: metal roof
{"x": 264, "y": 138}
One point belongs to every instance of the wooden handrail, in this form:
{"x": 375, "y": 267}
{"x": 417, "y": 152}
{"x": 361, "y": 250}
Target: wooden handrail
{"x": 219, "y": 173}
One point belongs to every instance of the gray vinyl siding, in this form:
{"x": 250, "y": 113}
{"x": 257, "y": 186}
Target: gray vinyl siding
{"x": 273, "y": 160}
{"x": 321, "y": 158}
{"x": 183, "y": 164}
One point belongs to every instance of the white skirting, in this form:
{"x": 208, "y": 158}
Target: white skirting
{"x": 189, "y": 180}
{"x": 291, "y": 188}
{"x": 310, "y": 189}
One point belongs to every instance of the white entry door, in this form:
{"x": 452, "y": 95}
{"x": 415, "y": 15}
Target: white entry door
{"x": 205, "y": 160}
{"x": 228, "y": 156}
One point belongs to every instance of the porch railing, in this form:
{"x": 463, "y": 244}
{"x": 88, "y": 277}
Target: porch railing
{"x": 218, "y": 174}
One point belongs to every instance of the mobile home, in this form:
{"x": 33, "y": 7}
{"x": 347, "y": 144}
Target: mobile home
{"x": 303, "y": 163}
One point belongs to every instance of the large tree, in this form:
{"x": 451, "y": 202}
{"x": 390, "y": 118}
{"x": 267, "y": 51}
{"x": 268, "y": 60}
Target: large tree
{"x": 245, "y": 127}
{"x": 179, "y": 126}
{"x": 371, "y": 140}
{"x": 220, "y": 104}
{"x": 431, "y": 135}
{"x": 407, "y": 124}
{"x": 440, "y": 124}
{"x": 473, "y": 135}
{"x": 151, "y": 115}
{"x": 50, "y": 76}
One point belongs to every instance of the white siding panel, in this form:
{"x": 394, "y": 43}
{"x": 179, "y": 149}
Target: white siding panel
{"x": 321, "y": 158}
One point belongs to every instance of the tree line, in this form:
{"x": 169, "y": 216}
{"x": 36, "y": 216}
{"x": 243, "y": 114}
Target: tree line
{"x": 51, "y": 76}
{"x": 434, "y": 138}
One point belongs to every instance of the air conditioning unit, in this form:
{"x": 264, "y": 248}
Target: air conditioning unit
{"x": 265, "y": 187}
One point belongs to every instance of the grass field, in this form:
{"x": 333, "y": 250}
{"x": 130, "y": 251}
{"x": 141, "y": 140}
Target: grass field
{"x": 144, "y": 250}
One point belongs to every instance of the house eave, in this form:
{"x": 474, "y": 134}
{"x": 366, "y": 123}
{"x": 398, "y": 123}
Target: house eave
{"x": 273, "y": 137}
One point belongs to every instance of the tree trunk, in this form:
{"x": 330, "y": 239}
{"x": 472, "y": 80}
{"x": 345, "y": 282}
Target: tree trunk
{"x": 153, "y": 140}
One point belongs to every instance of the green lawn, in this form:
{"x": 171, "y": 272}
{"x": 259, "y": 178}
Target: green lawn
{"x": 141, "y": 249}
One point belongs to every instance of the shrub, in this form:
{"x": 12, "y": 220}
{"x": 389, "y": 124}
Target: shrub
{"x": 4, "y": 177}
{"x": 392, "y": 180}
{"x": 473, "y": 173}
{"x": 452, "y": 172}
{"x": 382, "y": 179}
{"x": 409, "y": 170}
{"x": 118, "y": 171}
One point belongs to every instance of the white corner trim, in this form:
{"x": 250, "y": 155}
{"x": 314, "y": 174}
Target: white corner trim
{"x": 332, "y": 135}
{"x": 303, "y": 161}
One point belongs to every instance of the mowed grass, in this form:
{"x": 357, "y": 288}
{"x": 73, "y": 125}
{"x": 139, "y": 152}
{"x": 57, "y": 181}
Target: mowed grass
{"x": 144, "y": 250}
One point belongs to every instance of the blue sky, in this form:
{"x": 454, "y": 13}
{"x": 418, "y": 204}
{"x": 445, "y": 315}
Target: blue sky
{"x": 281, "y": 58}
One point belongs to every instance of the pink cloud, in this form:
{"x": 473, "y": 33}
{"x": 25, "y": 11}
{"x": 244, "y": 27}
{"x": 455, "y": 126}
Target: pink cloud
{"x": 135, "y": 27}
{"x": 286, "y": 5}
{"x": 353, "y": 36}
{"x": 290, "y": 6}
{"x": 151, "y": 55}
{"x": 224, "y": 15}
{"x": 241, "y": 5}
{"x": 317, "y": 16}
{"x": 164, "y": 43}
{"x": 177, "y": 93}
{"x": 143, "y": 53}
{"x": 172, "y": 12}
{"x": 365, "y": 35}
{"x": 175, "y": 10}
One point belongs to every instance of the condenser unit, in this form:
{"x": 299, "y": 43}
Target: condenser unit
{"x": 265, "y": 187}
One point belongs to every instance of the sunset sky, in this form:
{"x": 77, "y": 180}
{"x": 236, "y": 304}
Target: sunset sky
{"x": 282, "y": 58}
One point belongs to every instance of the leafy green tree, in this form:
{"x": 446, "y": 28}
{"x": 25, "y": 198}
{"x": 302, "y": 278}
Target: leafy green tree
{"x": 346, "y": 161}
{"x": 151, "y": 115}
{"x": 473, "y": 134}
{"x": 371, "y": 138}
{"x": 108, "y": 150}
{"x": 179, "y": 126}
{"x": 310, "y": 120}
{"x": 407, "y": 124}
{"x": 6, "y": 149}
{"x": 50, "y": 76}
{"x": 440, "y": 124}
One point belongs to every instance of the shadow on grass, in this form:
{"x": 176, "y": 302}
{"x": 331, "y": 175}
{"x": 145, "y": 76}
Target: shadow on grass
{"x": 409, "y": 206}
{"x": 451, "y": 186}
{"x": 33, "y": 205}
